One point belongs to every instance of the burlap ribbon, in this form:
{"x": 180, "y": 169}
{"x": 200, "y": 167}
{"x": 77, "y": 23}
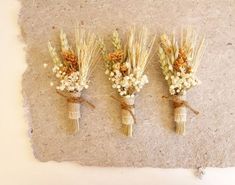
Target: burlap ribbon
{"x": 180, "y": 103}
{"x": 76, "y": 99}
{"x": 125, "y": 107}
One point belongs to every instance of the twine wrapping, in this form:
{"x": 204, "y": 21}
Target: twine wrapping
{"x": 127, "y": 112}
{"x": 76, "y": 98}
{"x": 74, "y": 102}
{"x": 180, "y": 113}
{"x": 74, "y": 106}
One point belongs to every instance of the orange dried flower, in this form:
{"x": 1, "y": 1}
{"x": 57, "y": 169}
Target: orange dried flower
{"x": 181, "y": 62}
{"x": 69, "y": 57}
{"x": 189, "y": 69}
{"x": 116, "y": 56}
{"x": 124, "y": 69}
{"x": 71, "y": 60}
{"x": 169, "y": 50}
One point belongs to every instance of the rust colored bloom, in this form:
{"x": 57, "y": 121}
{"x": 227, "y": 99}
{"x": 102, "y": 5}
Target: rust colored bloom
{"x": 71, "y": 61}
{"x": 70, "y": 57}
{"x": 169, "y": 50}
{"x": 116, "y": 56}
{"x": 124, "y": 69}
{"x": 181, "y": 62}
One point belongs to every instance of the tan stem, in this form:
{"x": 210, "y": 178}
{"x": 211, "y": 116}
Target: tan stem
{"x": 74, "y": 112}
{"x": 73, "y": 126}
{"x": 180, "y": 116}
{"x": 127, "y": 117}
{"x": 180, "y": 128}
{"x": 129, "y": 131}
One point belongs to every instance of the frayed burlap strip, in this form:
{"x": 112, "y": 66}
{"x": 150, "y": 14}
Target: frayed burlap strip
{"x": 74, "y": 100}
{"x": 180, "y": 113}
{"x": 74, "y": 110}
{"x": 128, "y": 112}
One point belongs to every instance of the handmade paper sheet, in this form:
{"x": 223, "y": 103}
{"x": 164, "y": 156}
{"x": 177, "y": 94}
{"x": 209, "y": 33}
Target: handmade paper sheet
{"x": 209, "y": 139}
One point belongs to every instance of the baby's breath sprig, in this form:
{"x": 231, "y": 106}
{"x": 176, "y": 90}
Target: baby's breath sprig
{"x": 126, "y": 65}
{"x": 74, "y": 68}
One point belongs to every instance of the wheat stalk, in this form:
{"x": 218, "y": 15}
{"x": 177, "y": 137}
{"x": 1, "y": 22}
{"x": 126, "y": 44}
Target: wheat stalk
{"x": 76, "y": 67}
{"x": 138, "y": 50}
{"x": 87, "y": 52}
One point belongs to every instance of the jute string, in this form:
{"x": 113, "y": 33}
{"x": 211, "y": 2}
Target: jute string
{"x": 125, "y": 107}
{"x": 180, "y": 103}
{"x": 76, "y": 99}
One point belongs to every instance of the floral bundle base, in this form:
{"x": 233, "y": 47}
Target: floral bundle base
{"x": 179, "y": 63}
{"x": 125, "y": 67}
{"x": 73, "y": 70}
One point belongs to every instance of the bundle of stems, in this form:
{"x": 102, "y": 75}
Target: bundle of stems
{"x": 125, "y": 66}
{"x": 73, "y": 69}
{"x": 179, "y": 63}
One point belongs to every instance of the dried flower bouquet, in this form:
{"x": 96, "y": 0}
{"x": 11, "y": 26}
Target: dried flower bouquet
{"x": 73, "y": 69}
{"x": 179, "y": 63}
{"x": 125, "y": 67}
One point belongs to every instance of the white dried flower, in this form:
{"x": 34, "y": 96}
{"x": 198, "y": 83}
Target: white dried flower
{"x": 127, "y": 64}
{"x": 45, "y": 65}
{"x": 111, "y": 74}
{"x": 107, "y": 72}
{"x": 74, "y": 78}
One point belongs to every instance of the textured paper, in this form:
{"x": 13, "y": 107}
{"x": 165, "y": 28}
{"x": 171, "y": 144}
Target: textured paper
{"x": 209, "y": 139}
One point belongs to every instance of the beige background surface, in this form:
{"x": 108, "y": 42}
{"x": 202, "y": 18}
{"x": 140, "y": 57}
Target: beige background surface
{"x": 210, "y": 137}
{"x": 18, "y": 165}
